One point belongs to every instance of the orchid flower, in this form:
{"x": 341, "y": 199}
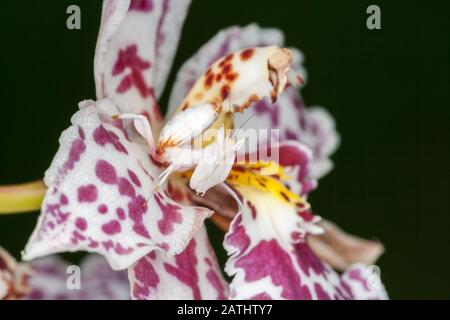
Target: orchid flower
{"x": 135, "y": 189}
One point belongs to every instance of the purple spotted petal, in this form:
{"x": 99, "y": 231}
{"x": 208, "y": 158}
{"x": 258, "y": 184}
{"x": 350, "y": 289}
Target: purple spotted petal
{"x": 313, "y": 126}
{"x": 101, "y": 197}
{"x": 269, "y": 260}
{"x": 98, "y": 281}
{"x": 135, "y": 48}
{"x": 192, "y": 274}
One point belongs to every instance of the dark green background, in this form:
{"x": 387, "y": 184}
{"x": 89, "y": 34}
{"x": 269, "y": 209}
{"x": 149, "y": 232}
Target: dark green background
{"x": 387, "y": 89}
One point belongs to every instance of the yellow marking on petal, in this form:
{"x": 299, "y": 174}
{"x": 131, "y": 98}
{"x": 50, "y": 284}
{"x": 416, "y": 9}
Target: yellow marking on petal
{"x": 269, "y": 184}
{"x": 265, "y": 168}
{"x": 21, "y": 198}
{"x": 249, "y": 175}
